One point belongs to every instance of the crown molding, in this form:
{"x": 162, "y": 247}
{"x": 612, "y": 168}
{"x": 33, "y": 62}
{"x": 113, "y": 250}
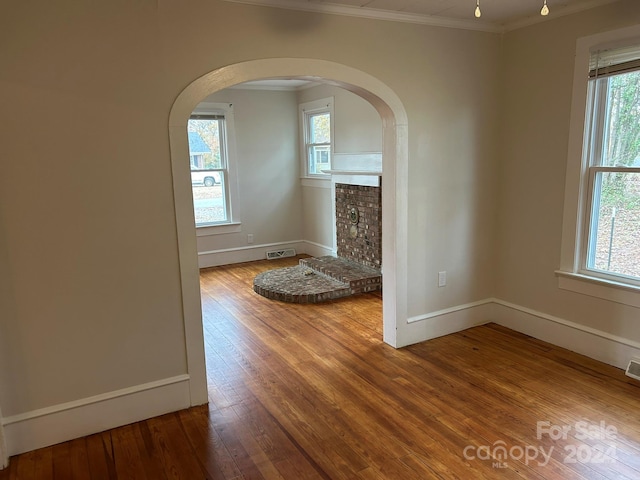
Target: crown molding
{"x": 559, "y": 11}
{"x": 432, "y": 20}
{"x": 375, "y": 14}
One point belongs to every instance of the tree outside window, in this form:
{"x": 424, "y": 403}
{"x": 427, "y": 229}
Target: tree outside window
{"x": 613, "y": 240}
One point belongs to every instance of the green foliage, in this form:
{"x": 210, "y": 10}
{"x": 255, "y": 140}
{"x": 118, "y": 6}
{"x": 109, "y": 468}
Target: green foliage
{"x": 320, "y": 128}
{"x": 621, "y": 191}
{"x": 622, "y": 142}
{"x": 622, "y": 146}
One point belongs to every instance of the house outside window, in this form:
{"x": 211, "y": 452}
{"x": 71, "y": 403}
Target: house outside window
{"x": 317, "y": 134}
{"x": 209, "y": 157}
{"x": 197, "y": 149}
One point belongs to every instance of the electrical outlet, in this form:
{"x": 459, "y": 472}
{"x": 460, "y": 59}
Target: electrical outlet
{"x": 250, "y": 238}
{"x": 442, "y": 279}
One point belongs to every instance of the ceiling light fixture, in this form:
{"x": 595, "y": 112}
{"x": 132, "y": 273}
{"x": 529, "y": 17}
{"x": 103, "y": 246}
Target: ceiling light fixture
{"x": 544, "y": 11}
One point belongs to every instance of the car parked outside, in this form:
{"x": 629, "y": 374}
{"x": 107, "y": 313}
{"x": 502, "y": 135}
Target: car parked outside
{"x": 207, "y": 178}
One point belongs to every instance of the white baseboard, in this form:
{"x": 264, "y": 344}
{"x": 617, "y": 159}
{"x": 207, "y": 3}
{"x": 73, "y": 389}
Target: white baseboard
{"x": 443, "y": 322}
{"x": 251, "y": 253}
{"x": 316, "y": 249}
{"x": 48, "y": 426}
{"x": 597, "y": 344}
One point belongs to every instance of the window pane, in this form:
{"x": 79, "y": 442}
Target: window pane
{"x": 320, "y": 128}
{"x": 207, "y": 170}
{"x": 205, "y": 143}
{"x": 209, "y": 202}
{"x": 621, "y": 146}
{"x": 319, "y": 158}
{"x": 615, "y": 238}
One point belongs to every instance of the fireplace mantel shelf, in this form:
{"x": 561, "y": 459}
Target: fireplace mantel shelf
{"x": 352, "y": 172}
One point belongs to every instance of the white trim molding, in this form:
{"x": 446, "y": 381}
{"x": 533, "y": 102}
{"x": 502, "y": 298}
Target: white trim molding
{"x": 375, "y": 14}
{"x": 59, "y": 423}
{"x": 222, "y": 229}
{"x": 447, "y": 321}
{"x": 227, "y": 256}
{"x": 572, "y": 274}
{"x": 600, "y": 288}
{"x": 305, "y": 111}
{"x": 318, "y": 250}
{"x": 423, "y": 19}
{"x": 597, "y": 344}
{"x": 315, "y": 182}
{"x": 395, "y": 161}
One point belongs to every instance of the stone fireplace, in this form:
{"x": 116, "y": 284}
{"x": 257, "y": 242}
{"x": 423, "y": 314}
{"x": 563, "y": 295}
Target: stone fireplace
{"x": 359, "y": 223}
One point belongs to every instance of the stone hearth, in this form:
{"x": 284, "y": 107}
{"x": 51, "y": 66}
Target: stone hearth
{"x": 357, "y": 197}
{"x": 317, "y": 280}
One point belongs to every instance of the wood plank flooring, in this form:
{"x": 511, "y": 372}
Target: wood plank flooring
{"x": 311, "y": 392}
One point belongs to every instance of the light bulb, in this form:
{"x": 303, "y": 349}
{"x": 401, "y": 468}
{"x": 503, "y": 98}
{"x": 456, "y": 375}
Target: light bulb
{"x": 545, "y": 10}
{"x": 478, "y": 13}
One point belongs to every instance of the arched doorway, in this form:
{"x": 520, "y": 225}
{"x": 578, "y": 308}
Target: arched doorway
{"x": 394, "y": 182}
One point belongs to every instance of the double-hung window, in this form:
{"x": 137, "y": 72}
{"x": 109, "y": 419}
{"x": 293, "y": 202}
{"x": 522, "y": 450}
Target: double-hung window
{"x": 611, "y": 178}
{"x": 207, "y": 131}
{"x": 317, "y": 129}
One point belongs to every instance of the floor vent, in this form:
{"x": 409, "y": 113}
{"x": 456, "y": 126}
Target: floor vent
{"x": 633, "y": 370}
{"x": 289, "y": 252}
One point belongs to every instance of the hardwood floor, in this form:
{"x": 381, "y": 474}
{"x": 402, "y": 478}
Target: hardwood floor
{"x": 311, "y": 392}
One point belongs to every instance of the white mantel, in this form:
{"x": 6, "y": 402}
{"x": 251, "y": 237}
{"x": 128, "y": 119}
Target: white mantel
{"x": 354, "y": 177}
{"x": 356, "y": 169}
{"x": 353, "y": 169}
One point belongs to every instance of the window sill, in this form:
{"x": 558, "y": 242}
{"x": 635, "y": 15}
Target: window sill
{"x": 318, "y": 182}
{"x": 600, "y": 288}
{"x": 221, "y": 229}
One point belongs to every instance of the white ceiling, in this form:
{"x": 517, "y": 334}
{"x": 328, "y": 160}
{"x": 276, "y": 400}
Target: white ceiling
{"x": 497, "y": 15}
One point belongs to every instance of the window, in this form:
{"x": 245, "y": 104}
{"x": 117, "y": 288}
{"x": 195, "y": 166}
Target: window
{"x": 208, "y": 134}
{"x": 611, "y": 242}
{"x": 602, "y": 171}
{"x": 317, "y": 131}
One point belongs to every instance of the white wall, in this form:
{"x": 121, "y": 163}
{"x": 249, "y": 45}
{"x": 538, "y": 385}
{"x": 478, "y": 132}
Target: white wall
{"x": 538, "y": 80}
{"x": 274, "y": 205}
{"x": 357, "y": 129}
{"x": 93, "y": 300}
{"x": 91, "y": 308}
{"x": 269, "y": 194}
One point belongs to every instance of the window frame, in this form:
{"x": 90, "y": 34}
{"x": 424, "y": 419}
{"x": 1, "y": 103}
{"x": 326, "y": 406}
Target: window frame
{"x": 228, "y": 170}
{"x": 595, "y": 132}
{"x": 573, "y": 273}
{"x": 307, "y": 110}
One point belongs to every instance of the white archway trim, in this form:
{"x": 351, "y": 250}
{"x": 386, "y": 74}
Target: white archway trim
{"x": 394, "y": 188}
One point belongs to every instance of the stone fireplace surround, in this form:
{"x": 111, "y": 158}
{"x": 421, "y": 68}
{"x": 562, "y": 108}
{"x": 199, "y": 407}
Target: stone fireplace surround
{"x": 357, "y": 198}
{"x": 359, "y": 239}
